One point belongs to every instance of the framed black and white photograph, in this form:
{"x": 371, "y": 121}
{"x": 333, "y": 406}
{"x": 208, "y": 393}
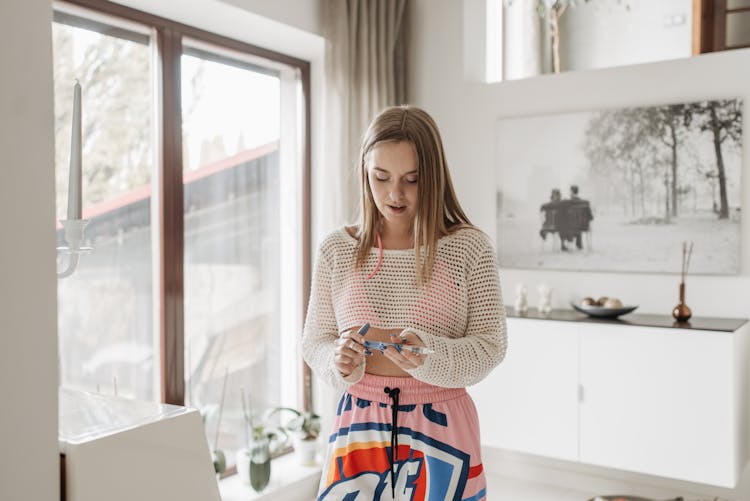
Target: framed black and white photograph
{"x": 621, "y": 189}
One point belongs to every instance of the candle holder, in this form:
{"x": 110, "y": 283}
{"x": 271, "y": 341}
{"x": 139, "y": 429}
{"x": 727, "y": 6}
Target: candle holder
{"x": 74, "y": 229}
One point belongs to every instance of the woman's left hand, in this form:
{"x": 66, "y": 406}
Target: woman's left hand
{"x": 405, "y": 359}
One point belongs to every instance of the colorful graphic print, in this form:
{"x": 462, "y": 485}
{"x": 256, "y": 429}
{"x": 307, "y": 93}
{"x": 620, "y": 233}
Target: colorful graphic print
{"x": 426, "y": 468}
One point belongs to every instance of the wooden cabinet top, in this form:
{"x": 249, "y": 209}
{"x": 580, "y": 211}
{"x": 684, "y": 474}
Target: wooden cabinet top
{"x": 637, "y": 319}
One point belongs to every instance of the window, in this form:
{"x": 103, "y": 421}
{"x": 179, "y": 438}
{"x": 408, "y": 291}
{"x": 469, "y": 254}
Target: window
{"x": 196, "y": 185}
{"x": 721, "y": 25}
{"x": 105, "y": 310}
{"x": 233, "y": 191}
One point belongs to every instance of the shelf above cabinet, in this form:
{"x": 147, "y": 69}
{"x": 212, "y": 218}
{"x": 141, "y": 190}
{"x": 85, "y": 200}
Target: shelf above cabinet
{"x": 637, "y": 319}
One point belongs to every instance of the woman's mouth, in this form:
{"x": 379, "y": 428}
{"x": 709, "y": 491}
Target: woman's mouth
{"x": 397, "y": 209}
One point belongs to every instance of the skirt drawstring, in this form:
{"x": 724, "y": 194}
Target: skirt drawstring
{"x": 393, "y": 393}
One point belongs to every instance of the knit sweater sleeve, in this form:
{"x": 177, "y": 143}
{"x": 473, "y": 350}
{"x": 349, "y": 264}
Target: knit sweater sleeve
{"x": 321, "y": 331}
{"x": 466, "y": 359}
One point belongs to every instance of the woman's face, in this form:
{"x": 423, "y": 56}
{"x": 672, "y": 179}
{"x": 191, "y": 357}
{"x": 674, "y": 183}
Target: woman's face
{"x": 392, "y": 173}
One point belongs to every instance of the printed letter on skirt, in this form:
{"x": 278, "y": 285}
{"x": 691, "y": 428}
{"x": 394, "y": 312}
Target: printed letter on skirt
{"x": 435, "y": 432}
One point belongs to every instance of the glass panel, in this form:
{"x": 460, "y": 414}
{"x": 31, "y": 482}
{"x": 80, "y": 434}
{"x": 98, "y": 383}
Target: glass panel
{"x": 738, "y": 29}
{"x": 105, "y": 312}
{"x": 737, "y": 4}
{"x": 231, "y": 138}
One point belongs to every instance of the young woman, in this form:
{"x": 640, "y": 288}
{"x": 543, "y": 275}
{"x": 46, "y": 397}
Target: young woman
{"x": 405, "y": 311}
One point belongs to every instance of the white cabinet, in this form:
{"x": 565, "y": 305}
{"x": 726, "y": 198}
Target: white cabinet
{"x": 118, "y": 449}
{"x": 659, "y": 401}
{"x": 529, "y": 402}
{"x": 662, "y": 401}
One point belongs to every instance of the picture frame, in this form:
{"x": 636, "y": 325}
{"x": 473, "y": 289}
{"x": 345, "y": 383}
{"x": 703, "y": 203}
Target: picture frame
{"x": 621, "y": 189}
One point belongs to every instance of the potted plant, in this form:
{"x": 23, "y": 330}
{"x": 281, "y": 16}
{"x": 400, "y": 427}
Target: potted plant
{"x": 217, "y": 455}
{"x": 254, "y": 461}
{"x": 207, "y": 411}
{"x": 304, "y": 428}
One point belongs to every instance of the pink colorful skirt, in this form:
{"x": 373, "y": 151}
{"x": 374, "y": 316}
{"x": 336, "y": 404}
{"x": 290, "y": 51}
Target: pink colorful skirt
{"x": 400, "y": 438}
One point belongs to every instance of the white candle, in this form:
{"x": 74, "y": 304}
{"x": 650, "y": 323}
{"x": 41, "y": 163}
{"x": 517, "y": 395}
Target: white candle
{"x": 74, "y": 178}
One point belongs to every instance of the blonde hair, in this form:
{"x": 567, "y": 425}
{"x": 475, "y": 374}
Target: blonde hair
{"x": 438, "y": 211}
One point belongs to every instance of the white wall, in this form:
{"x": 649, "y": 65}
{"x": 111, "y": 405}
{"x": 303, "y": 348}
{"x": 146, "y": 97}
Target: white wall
{"x": 277, "y": 31}
{"x": 28, "y": 302}
{"x": 605, "y": 34}
{"x": 467, "y": 111}
{"x": 304, "y": 15}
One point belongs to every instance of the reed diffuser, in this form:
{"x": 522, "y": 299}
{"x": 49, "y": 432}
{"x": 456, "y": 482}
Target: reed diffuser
{"x": 682, "y": 312}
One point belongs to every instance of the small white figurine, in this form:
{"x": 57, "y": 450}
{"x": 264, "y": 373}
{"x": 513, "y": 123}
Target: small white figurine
{"x": 521, "y": 305}
{"x": 545, "y": 299}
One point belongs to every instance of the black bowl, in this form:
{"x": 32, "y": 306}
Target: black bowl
{"x": 601, "y": 311}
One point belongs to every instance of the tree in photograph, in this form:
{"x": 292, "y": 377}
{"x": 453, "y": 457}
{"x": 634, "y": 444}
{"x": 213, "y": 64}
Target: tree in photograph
{"x": 639, "y": 136}
{"x": 667, "y": 124}
{"x": 723, "y": 120}
{"x": 620, "y": 142}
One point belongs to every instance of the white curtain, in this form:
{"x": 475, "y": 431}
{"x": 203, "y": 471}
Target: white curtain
{"x": 365, "y": 72}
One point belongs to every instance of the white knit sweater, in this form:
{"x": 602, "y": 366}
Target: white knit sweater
{"x": 458, "y": 313}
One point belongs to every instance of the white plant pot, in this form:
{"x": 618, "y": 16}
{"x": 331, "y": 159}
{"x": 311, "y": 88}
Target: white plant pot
{"x": 306, "y": 451}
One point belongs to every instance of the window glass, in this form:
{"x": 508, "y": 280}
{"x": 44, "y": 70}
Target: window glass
{"x": 738, "y": 4}
{"x": 232, "y": 192}
{"x": 105, "y": 308}
{"x": 738, "y": 29}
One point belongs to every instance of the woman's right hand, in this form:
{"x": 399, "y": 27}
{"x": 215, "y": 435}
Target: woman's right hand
{"x": 349, "y": 352}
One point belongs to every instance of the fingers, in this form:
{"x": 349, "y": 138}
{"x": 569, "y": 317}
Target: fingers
{"x": 405, "y": 358}
{"x": 410, "y": 337}
{"x": 346, "y": 356}
{"x": 349, "y": 353}
{"x": 345, "y": 364}
{"x": 350, "y": 341}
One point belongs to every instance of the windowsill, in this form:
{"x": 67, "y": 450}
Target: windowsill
{"x": 289, "y": 481}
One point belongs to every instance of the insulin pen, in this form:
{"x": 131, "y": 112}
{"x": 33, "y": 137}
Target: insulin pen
{"x": 381, "y": 346}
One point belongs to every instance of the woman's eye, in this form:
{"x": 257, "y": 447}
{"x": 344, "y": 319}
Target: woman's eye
{"x": 381, "y": 178}
{"x": 412, "y": 181}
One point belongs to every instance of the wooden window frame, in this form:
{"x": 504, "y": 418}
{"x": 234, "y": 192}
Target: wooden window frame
{"x": 169, "y": 35}
{"x": 710, "y": 26}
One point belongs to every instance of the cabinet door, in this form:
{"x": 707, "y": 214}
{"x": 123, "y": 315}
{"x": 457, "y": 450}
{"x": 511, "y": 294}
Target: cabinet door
{"x": 529, "y": 402}
{"x": 658, "y": 401}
